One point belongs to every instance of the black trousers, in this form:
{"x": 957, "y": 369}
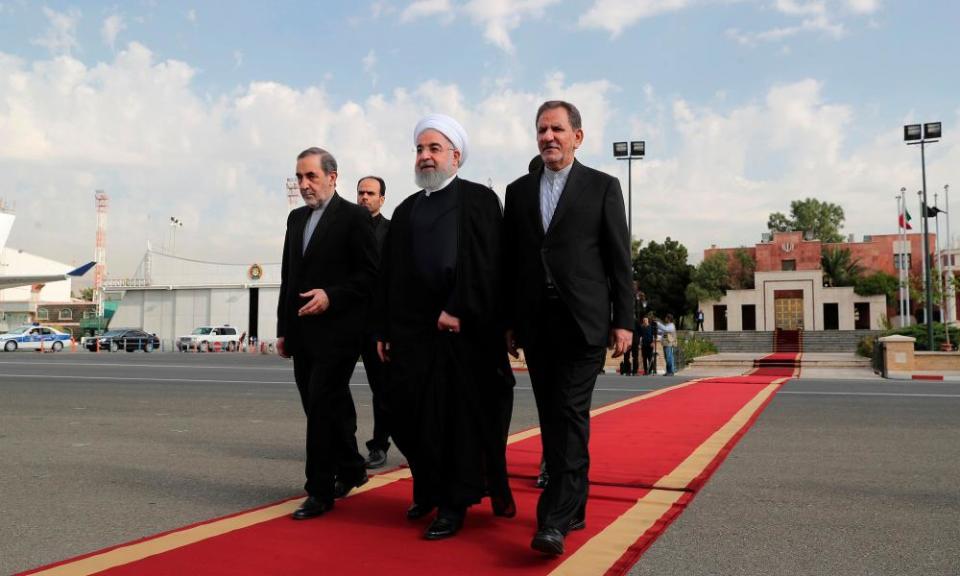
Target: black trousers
{"x": 649, "y": 360}
{"x": 376, "y": 376}
{"x": 324, "y": 385}
{"x": 563, "y": 371}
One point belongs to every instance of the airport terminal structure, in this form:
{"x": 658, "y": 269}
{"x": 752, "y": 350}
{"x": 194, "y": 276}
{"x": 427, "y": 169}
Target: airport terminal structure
{"x": 171, "y": 295}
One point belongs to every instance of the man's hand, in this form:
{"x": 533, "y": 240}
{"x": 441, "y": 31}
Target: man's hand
{"x": 281, "y": 348}
{"x": 383, "y": 350}
{"x": 318, "y": 303}
{"x": 620, "y": 341}
{"x": 512, "y": 344}
{"x": 448, "y": 323}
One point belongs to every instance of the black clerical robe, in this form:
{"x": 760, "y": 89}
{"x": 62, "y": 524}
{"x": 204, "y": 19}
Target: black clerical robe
{"x": 449, "y": 395}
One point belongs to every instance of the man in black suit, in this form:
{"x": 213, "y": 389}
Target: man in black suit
{"x": 371, "y": 192}
{"x": 567, "y": 259}
{"x": 441, "y": 330}
{"x": 328, "y": 271}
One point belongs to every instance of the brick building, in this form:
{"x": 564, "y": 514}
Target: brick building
{"x": 789, "y": 291}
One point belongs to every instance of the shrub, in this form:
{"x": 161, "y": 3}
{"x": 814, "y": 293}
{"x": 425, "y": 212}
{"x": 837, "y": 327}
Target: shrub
{"x": 692, "y": 345}
{"x": 919, "y": 331}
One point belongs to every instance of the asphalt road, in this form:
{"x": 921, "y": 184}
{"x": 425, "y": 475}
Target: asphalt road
{"x": 838, "y": 477}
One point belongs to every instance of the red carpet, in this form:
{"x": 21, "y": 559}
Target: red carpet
{"x": 650, "y": 455}
{"x": 785, "y": 364}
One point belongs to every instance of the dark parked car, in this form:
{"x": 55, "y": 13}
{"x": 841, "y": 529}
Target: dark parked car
{"x": 129, "y": 340}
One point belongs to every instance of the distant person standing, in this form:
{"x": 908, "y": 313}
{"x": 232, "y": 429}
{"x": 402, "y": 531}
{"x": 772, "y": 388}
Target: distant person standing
{"x": 328, "y": 271}
{"x": 648, "y": 345}
{"x": 668, "y": 335}
{"x": 699, "y": 320}
{"x": 371, "y": 193}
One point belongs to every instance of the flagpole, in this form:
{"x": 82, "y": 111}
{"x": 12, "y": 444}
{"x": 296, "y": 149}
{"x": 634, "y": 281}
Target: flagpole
{"x": 908, "y": 265}
{"x": 899, "y": 260}
{"x": 951, "y": 298}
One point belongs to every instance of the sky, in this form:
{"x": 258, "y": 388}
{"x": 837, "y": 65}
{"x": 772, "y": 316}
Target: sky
{"x": 197, "y": 110}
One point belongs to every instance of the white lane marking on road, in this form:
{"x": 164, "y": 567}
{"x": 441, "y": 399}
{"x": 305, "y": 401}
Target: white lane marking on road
{"x": 110, "y": 365}
{"x": 896, "y": 394}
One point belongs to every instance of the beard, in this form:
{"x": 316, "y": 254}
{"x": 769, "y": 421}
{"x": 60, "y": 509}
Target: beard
{"x": 432, "y": 179}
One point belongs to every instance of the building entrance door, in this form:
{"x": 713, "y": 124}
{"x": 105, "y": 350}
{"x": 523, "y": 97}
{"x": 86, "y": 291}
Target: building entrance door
{"x": 788, "y": 309}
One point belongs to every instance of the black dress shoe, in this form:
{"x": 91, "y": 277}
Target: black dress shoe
{"x": 549, "y": 541}
{"x": 576, "y": 524}
{"x": 443, "y": 527}
{"x": 376, "y": 459}
{"x": 342, "y": 488}
{"x": 504, "y": 507}
{"x": 417, "y": 511}
{"x": 311, "y": 508}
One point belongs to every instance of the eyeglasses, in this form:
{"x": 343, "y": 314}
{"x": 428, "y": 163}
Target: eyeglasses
{"x": 432, "y": 149}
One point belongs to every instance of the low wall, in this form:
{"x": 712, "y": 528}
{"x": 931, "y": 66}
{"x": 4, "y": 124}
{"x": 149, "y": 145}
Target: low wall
{"x": 899, "y": 356}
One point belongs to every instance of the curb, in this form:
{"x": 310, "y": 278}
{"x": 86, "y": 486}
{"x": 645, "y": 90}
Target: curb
{"x": 923, "y": 377}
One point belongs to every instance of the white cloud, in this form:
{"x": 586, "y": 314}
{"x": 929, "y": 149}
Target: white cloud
{"x": 237, "y": 59}
{"x": 381, "y": 8}
{"x": 617, "y": 15}
{"x": 191, "y": 16}
{"x": 863, "y": 6}
{"x": 112, "y": 26}
{"x": 369, "y": 65}
{"x": 499, "y": 17}
{"x": 60, "y": 36}
{"x": 140, "y": 129}
{"x": 426, "y": 8}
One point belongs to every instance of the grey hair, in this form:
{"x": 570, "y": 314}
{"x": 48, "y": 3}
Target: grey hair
{"x": 327, "y": 162}
{"x": 572, "y": 113}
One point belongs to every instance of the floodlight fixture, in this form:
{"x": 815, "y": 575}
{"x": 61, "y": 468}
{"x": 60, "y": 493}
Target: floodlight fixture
{"x": 932, "y": 130}
{"x": 638, "y": 148}
{"x": 912, "y": 132}
{"x": 620, "y": 150}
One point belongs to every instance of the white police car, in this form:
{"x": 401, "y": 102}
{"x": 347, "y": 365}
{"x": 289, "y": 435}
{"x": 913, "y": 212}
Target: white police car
{"x": 31, "y": 337}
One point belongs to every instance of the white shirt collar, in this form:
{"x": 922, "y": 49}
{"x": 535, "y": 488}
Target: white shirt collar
{"x": 561, "y": 173}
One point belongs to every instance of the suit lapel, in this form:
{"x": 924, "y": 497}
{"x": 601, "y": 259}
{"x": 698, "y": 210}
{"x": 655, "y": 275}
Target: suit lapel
{"x": 533, "y": 189}
{"x": 571, "y": 191}
{"x": 322, "y": 226}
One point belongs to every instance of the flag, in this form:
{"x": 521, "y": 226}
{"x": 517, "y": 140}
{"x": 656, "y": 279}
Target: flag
{"x": 905, "y": 221}
{"x": 932, "y": 211}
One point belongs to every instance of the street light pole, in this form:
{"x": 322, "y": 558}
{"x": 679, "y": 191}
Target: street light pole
{"x": 931, "y": 132}
{"x": 634, "y": 150}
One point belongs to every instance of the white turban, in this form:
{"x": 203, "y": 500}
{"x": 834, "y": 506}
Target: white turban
{"x": 446, "y": 126}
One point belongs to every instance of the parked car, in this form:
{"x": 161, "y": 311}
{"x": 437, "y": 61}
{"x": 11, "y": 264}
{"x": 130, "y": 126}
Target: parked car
{"x": 205, "y": 339}
{"x": 124, "y": 339}
{"x": 31, "y": 337}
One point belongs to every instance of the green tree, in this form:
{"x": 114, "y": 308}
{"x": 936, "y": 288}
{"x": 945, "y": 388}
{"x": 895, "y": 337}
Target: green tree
{"x": 878, "y": 283}
{"x": 823, "y": 219}
{"x": 839, "y": 267}
{"x": 663, "y": 274}
{"x": 709, "y": 280}
{"x": 741, "y": 276}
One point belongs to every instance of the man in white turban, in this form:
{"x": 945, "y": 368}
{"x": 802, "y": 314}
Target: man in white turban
{"x": 450, "y": 390}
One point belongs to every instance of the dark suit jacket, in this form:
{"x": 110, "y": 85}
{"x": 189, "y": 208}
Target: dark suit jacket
{"x": 341, "y": 258}
{"x": 586, "y": 250}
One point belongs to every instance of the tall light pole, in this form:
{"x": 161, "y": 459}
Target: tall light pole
{"x": 931, "y": 132}
{"x": 951, "y": 298}
{"x": 174, "y": 224}
{"x": 631, "y": 151}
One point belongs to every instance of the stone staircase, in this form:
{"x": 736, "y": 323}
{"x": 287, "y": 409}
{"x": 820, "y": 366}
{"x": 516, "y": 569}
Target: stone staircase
{"x": 813, "y": 340}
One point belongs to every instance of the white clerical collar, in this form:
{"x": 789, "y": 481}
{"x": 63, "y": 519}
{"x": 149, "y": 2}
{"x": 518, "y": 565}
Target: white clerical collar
{"x": 442, "y": 185}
